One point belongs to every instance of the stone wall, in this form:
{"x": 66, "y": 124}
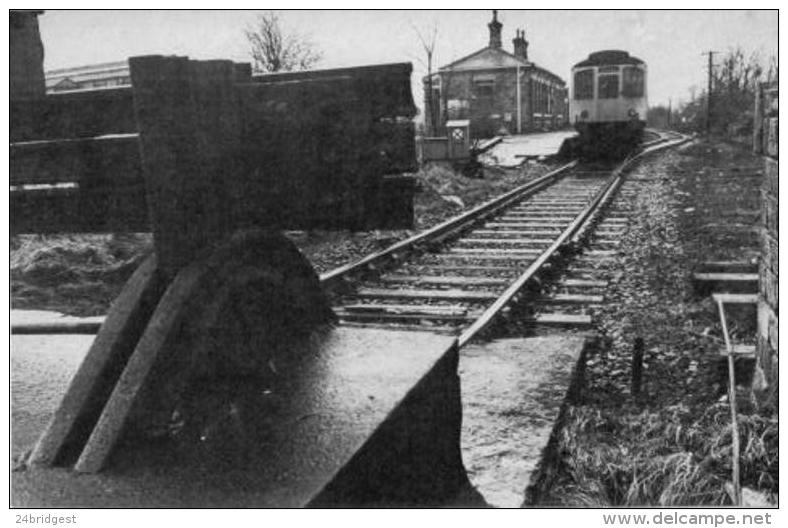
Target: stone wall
{"x": 766, "y": 137}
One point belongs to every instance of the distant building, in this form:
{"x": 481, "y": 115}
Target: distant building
{"x": 498, "y": 91}
{"x": 103, "y": 75}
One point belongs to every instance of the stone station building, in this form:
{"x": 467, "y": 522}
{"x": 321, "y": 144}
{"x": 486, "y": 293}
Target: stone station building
{"x": 498, "y": 91}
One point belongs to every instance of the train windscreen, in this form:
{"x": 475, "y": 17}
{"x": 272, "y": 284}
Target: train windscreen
{"x": 584, "y": 84}
{"x": 633, "y": 82}
{"x": 608, "y": 87}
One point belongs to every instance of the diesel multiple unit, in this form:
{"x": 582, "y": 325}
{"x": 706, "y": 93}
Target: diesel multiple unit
{"x": 609, "y": 100}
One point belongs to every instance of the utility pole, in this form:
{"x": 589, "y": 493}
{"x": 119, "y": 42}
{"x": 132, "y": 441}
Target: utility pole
{"x": 708, "y": 92}
{"x": 670, "y": 110}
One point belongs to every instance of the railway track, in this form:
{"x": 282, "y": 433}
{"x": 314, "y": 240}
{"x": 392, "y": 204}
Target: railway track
{"x": 461, "y": 276}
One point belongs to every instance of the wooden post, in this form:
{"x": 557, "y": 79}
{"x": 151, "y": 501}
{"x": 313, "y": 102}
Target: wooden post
{"x": 757, "y": 125}
{"x": 187, "y": 119}
{"x": 637, "y": 366}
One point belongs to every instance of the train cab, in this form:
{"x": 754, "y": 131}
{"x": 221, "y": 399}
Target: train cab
{"x": 609, "y": 98}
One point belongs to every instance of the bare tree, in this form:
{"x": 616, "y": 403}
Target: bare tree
{"x": 275, "y": 49}
{"x": 428, "y": 43}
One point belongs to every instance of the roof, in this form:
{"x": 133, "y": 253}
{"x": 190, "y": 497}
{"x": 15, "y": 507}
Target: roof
{"x": 492, "y": 59}
{"x": 608, "y": 57}
{"x": 102, "y": 66}
{"x": 486, "y": 58}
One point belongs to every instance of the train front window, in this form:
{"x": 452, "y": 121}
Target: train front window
{"x": 633, "y": 80}
{"x": 584, "y": 84}
{"x": 608, "y": 87}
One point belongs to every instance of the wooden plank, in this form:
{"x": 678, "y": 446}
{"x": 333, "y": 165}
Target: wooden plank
{"x": 740, "y": 350}
{"x": 104, "y": 159}
{"x": 186, "y": 113}
{"x": 515, "y": 232}
{"x": 572, "y": 298}
{"x": 387, "y": 86}
{"x": 446, "y": 279}
{"x": 504, "y": 241}
{"x": 514, "y": 259}
{"x": 494, "y": 251}
{"x": 417, "y": 309}
{"x": 380, "y": 293}
{"x": 70, "y": 327}
{"x": 393, "y": 316}
{"x": 583, "y": 283}
{"x": 527, "y": 225}
{"x": 736, "y": 298}
{"x": 471, "y": 268}
{"x": 539, "y": 215}
{"x": 726, "y": 277}
{"x": 78, "y": 114}
{"x": 80, "y": 209}
{"x": 94, "y": 380}
{"x": 561, "y": 319}
{"x": 728, "y": 266}
{"x": 543, "y": 220}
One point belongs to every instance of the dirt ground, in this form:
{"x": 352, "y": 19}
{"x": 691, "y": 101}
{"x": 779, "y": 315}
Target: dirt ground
{"x": 670, "y": 444}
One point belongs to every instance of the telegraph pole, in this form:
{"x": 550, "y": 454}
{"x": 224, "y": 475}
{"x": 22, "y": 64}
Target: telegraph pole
{"x": 708, "y": 92}
{"x": 670, "y": 110}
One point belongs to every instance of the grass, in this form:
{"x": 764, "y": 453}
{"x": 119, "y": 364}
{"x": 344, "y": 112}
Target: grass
{"x": 74, "y": 274}
{"x": 678, "y": 461}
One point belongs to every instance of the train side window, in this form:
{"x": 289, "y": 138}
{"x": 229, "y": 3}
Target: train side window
{"x": 633, "y": 82}
{"x": 584, "y": 84}
{"x": 608, "y": 87}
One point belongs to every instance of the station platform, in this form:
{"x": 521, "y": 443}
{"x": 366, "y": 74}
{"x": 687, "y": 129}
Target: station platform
{"x": 513, "y": 151}
{"x": 513, "y": 394}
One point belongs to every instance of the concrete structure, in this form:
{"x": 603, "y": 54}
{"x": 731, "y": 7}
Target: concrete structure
{"x": 500, "y": 92}
{"x": 514, "y": 393}
{"x": 104, "y": 75}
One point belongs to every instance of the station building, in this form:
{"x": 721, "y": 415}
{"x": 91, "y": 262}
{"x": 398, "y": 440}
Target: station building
{"x": 500, "y": 92}
{"x": 104, "y": 75}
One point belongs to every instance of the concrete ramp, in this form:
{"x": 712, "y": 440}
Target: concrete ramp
{"x": 513, "y": 393}
{"x": 357, "y": 416}
{"x": 514, "y": 150}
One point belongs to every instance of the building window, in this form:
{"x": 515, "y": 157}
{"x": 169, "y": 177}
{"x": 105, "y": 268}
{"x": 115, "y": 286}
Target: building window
{"x": 633, "y": 82}
{"x": 483, "y": 89}
{"x": 608, "y": 87}
{"x": 584, "y": 84}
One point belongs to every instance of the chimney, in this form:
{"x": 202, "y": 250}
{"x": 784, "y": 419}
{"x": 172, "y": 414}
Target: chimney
{"x": 495, "y": 31}
{"x": 520, "y": 45}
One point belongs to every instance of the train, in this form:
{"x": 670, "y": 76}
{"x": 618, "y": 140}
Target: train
{"x": 608, "y": 103}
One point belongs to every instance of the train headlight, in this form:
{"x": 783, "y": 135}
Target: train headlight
{"x": 633, "y": 113}
{"x": 584, "y": 114}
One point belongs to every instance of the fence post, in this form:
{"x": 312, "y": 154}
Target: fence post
{"x": 757, "y": 126}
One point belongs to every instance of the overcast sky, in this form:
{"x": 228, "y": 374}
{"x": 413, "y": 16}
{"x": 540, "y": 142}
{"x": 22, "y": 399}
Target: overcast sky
{"x": 671, "y": 42}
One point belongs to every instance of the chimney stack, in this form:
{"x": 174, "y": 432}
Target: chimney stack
{"x": 495, "y": 31}
{"x": 520, "y": 45}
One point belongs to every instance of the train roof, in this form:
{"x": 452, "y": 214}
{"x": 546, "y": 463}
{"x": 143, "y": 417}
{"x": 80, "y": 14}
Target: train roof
{"x": 608, "y": 57}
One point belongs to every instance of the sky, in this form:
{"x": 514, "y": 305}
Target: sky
{"x": 671, "y": 42}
